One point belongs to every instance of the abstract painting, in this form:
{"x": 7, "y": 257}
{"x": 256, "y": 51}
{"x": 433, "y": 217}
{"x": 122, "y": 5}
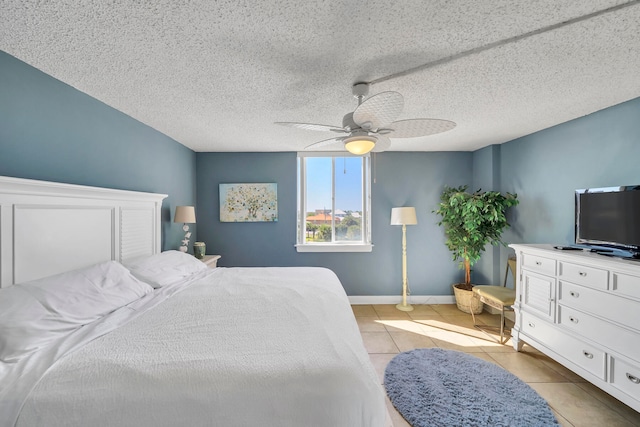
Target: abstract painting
{"x": 249, "y": 202}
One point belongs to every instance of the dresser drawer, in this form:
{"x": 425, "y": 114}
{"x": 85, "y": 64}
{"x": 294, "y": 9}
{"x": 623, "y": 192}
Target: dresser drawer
{"x": 617, "y": 338}
{"x": 587, "y": 276}
{"x": 539, "y": 264}
{"x": 612, "y": 307}
{"x": 586, "y": 356}
{"x": 625, "y": 377}
{"x": 625, "y": 284}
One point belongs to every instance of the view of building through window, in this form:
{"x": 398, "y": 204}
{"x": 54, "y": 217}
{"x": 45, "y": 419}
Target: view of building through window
{"x": 334, "y": 199}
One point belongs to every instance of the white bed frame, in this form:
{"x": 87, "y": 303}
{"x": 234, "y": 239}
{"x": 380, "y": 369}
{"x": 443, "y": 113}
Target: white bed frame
{"x": 48, "y": 228}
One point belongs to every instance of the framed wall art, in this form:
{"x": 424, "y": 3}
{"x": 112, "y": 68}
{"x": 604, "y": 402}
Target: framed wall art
{"x": 257, "y": 202}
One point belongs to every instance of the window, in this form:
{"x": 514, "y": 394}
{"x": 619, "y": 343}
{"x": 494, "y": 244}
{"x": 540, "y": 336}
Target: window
{"x": 334, "y": 200}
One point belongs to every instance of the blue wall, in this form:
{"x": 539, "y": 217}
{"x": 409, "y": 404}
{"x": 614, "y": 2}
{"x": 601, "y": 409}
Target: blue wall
{"x": 545, "y": 168}
{"x": 51, "y": 131}
{"x": 402, "y": 179}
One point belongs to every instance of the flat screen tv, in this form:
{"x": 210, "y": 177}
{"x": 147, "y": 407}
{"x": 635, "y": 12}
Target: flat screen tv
{"x": 609, "y": 217}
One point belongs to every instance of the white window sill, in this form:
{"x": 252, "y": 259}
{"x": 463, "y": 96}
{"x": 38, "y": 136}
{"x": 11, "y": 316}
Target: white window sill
{"x": 334, "y": 247}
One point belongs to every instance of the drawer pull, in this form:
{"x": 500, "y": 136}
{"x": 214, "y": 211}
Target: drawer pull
{"x": 590, "y": 356}
{"x": 633, "y": 378}
{"x": 538, "y": 262}
{"x": 533, "y": 325}
{"x": 573, "y": 319}
{"x": 582, "y": 273}
{"x": 574, "y": 294}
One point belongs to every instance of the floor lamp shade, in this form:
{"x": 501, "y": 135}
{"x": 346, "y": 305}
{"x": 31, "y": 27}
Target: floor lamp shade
{"x": 404, "y": 216}
{"x": 185, "y": 215}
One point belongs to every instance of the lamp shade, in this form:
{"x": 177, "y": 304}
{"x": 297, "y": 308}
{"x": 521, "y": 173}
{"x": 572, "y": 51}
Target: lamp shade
{"x": 185, "y": 214}
{"x": 403, "y": 216}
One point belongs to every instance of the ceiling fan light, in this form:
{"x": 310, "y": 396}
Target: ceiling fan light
{"x": 359, "y": 145}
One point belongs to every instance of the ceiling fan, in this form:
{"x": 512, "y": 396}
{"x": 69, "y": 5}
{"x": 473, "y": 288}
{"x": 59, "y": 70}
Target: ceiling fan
{"x": 371, "y": 126}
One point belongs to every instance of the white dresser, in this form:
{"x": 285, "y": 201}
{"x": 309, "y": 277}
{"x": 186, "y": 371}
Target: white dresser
{"x": 583, "y": 310}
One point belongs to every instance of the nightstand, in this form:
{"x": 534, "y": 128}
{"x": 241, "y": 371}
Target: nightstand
{"x": 211, "y": 260}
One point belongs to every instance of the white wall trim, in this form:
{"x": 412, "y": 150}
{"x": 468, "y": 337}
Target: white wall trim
{"x": 395, "y": 299}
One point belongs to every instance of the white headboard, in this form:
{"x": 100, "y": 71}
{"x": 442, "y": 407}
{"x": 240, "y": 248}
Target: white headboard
{"x": 48, "y": 228}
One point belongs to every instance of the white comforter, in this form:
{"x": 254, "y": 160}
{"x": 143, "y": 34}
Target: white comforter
{"x": 239, "y": 347}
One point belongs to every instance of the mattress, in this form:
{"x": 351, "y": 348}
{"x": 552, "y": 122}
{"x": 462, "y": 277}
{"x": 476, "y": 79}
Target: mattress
{"x": 234, "y": 347}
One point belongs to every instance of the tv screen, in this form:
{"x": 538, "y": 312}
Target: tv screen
{"x": 609, "y": 216}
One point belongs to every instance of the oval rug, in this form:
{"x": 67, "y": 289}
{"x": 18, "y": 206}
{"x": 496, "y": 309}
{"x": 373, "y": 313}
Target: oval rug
{"x": 435, "y": 387}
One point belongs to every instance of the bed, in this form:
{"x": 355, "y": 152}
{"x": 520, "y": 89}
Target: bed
{"x": 136, "y": 336}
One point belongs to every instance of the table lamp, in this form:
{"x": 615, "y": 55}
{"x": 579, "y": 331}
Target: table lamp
{"x": 185, "y": 215}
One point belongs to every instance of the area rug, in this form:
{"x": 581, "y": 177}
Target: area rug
{"x": 433, "y": 387}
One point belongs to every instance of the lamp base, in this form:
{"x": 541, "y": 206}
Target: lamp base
{"x": 407, "y": 307}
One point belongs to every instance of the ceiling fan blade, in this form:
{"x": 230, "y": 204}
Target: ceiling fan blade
{"x": 326, "y": 142}
{"x": 312, "y": 126}
{"x": 379, "y": 110}
{"x": 412, "y": 128}
{"x": 383, "y": 144}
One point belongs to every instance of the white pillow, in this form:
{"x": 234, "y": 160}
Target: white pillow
{"x": 165, "y": 268}
{"x": 32, "y": 314}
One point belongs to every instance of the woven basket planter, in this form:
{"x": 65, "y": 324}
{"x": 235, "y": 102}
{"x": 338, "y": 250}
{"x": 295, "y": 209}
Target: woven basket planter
{"x": 467, "y": 301}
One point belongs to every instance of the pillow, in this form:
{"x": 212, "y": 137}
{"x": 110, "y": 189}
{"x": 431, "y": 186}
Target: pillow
{"x": 32, "y": 314}
{"x": 165, "y": 268}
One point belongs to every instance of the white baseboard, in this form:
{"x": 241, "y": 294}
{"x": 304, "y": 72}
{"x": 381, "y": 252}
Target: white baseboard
{"x": 394, "y": 299}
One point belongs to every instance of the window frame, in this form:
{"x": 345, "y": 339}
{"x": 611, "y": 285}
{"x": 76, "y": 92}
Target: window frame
{"x": 363, "y": 245}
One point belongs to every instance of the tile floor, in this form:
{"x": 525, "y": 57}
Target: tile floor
{"x": 387, "y": 331}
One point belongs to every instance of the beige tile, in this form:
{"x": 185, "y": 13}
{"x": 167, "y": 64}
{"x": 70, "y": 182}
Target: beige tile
{"x": 370, "y": 324}
{"x": 565, "y": 372}
{"x": 390, "y": 312}
{"x": 398, "y": 420}
{"x": 422, "y": 310}
{"x": 364, "y": 311}
{"x": 487, "y": 357}
{"x": 613, "y": 403}
{"x": 451, "y": 309}
{"x": 464, "y": 325}
{"x": 462, "y": 320}
{"x": 562, "y": 420}
{"x": 398, "y": 315}
{"x": 579, "y": 407}
{"x": 529, "y": 367}
{"x": 403, "y": 325}
{"x": 380, "y": 362}
{"x": 406, "y": 341}
{"x": 453, "y": 341}
{"x": 379, "y": 342}
{"x": 435, "y": 323}
{"x": 386, "y": 308}
{"x": 507, "y": 347}
{"x": 490, "y": 344}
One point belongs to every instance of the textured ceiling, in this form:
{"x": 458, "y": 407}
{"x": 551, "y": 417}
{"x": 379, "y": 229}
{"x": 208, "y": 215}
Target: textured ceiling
{"x": 216, "y": 75}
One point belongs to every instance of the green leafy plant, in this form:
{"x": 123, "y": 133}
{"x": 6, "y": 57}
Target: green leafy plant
{"x": 471, "y": 221}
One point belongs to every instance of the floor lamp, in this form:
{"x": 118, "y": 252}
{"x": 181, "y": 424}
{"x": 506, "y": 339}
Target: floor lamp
{"x": 404, "y": 216}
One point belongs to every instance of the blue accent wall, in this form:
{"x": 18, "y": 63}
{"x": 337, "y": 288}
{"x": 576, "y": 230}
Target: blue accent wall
{"x": 545, "y": 168}
{"x": 401, "y": 179}
{"x": 51, "y": 131}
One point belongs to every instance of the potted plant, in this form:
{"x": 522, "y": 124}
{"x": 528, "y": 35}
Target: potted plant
{"x": 471, "y": 221}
